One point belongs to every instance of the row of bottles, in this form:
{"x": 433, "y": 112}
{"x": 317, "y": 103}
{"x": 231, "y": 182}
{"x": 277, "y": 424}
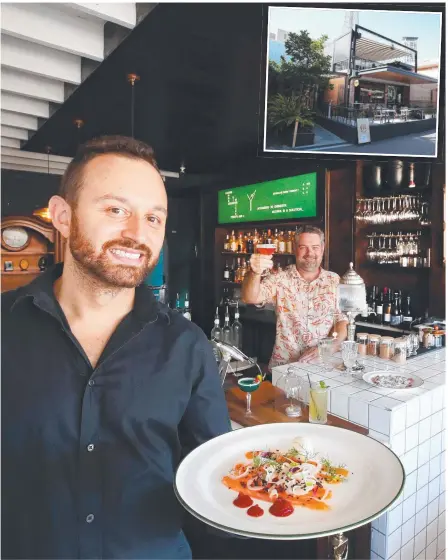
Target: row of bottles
{"x": 237, "y": 270}
{"x": 230, "y": 334}
{"x": 389, "y": 307}
{"x": 247, "y": 242}
{"x": 185, "y": 309}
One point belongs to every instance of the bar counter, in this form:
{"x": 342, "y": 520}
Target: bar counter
{"x": 412, "y": 423}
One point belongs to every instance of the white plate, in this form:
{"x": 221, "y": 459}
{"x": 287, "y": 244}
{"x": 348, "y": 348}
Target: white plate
{"x": 417, "y": 381}
{"x": 376, "y": 481}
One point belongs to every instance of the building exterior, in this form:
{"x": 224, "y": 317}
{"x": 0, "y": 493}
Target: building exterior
{"x": 425, "y": 95}
{"x": 370, "y": 69}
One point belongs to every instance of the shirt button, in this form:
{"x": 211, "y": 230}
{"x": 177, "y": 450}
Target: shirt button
{"x": 90, "y": 518}
{"x": 91, "y": 382}
{"x": 90, "y": 447}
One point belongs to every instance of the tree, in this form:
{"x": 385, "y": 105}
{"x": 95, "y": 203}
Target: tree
{"x": 304, "y": 71}
{"x": 286, "y": 110}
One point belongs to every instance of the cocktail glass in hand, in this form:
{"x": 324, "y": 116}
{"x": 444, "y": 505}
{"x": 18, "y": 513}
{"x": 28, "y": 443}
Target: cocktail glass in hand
{"x": 249, "y": 385}
{"x": 349, "y": 350}
{"x": 326, "y": 347}
{"x": 266, "y": 249}
{"x": 318, "y": 403}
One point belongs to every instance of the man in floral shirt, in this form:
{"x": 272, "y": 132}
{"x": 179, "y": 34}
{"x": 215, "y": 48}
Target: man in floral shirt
{"x": 305, "y": 297}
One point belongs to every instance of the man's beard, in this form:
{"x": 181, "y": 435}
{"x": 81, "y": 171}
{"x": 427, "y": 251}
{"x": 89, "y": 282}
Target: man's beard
{"x": 308, "y": 264}
{"x": 99, "y": 266}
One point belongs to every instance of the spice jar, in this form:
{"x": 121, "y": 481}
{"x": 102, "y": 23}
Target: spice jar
{"x": 373, "y": 342}
{"x": 386, "y": 347}
{"x": 428, "y": 338}
{"x": 361, "y": 339}
{"x": 400, "y": 350}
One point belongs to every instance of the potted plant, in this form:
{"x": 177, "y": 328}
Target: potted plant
{"x": 291, "y": 120}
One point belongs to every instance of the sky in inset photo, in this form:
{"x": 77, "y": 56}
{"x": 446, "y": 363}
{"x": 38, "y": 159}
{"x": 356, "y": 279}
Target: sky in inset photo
{"x": 425, "y": 26}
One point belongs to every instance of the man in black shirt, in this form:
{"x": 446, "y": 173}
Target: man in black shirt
{"x": 103, "y": 388}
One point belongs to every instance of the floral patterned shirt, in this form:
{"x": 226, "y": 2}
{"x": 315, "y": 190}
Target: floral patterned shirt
{"x": 306, "y": 311}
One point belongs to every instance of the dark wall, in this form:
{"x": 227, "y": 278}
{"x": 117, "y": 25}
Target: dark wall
{"x": 23, "y": 191}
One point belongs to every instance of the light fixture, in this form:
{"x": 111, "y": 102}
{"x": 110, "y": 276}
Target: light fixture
{"x": 356, "y": 83}
{"x": 132, "y": 78}
{"x": 182, "y": 169}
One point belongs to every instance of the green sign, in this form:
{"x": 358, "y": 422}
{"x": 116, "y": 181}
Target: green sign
{"x": 282, "y": 199}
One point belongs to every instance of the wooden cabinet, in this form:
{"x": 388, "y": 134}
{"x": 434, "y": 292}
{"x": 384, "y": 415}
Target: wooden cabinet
{"x": 27, "y": 249}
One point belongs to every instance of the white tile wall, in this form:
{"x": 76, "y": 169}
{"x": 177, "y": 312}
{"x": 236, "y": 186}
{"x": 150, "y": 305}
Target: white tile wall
{"x": 423, "y": 453}
{"x": 440, "y": 543}
{"x": 395, "y": 519}
{"x": 431, "y": 531}
{"x": 435, "y": 467}
{"x": 408, "y": 530}
{"x": 431, "y": 551}
{"x": 412, "y": 437}
{"x": 409, "y": 460}
{"x": 422, "y": 498}
{"x": 436, "y": 423}
{"x": 358, "y": 412}
{"x": 378, "y": 544}
{"x": 422, "y": 476}
{"x": 434, "y": 489}
{"x": 437, "y": 398}
{"x": 441, "y": 502}
{"x": 398, "y": 423}
{"x": 407, "y": 551}
{"x": 409, "y": 508}
{"x": 424, "y": 430}
{"x": 339, "y": 405}
{"x": 436, "y": 445}
{"x": 421, "y": 520}
{"x": 441, "y": 524}
{"x": 379, "y": 419}
{"x": 419, "y": 544}
{"x": 410, "y": 485}
{"x": 398, "y": 443}
{"x": 433, "y": 511}
{"x": 394, "y": 544}
{"x": 425, "y": 405}
{"x": 412, "y": 412}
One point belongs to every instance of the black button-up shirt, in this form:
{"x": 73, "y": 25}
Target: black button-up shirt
{"x": 88, "y": 455}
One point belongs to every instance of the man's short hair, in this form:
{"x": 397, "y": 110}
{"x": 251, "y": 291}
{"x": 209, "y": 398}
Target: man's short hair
{"x": 310, "y": 229}
{"x": 72, "y": 180}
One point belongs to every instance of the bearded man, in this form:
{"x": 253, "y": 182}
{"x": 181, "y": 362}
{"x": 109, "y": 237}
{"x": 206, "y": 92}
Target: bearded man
{"x": 103, "y": 388}
{"x": 305, "y": 297}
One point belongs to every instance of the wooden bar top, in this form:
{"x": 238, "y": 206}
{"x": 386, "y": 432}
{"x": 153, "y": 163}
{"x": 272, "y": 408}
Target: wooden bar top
{"x": 264, "y": 411}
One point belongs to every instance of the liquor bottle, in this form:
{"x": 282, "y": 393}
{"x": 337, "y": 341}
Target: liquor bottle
{"x": 227, "y": 243}
{"x": 281, "y": 243}
{"x": 379, "y": 308}
{"x": 237, "y": 330}
{"x": 398, "y": 294}
{"x": 407, "y": 313}
{"x": 243, "y": 270}
{"x": 276, "y": 241}
{"x": 269, "y": 237}
{"x": 250, "y": 244}
{"x": 233, "y": 242}
{"x": 289, "y": 242}
{"x": 178, "y": 307}
{"x": 216, "y": 333}
{"x": 256, "y": 239}
{"x": 411, "y": 176}
{"x": 226, "y": 273}
{"x": 372, "y": 304}
{"x": 395, "y": 317}
{"x": 232, "y": 272}
{"x": 237, "y": 275}
{"x": 187, "y": 311}
{"x": 227, "y": 331}
{"x": 387, "y": 305}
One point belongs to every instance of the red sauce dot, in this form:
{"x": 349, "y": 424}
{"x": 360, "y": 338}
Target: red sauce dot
{"x": 255, "y": 511}
{"x": 243, "y": 501}
{"x": 281, "y": 508}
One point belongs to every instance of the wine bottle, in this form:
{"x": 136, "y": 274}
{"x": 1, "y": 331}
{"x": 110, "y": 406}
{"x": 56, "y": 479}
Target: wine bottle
{"x": 226, "y": 274}
{"x": 395, "y": 317}
{"x": 187, "y": 311}
{"x": 387, "y": 305}
{"x": 379, "y": 309}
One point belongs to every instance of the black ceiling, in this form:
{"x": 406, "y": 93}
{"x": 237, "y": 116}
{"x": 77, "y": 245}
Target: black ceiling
{"x": 197, "y": 101}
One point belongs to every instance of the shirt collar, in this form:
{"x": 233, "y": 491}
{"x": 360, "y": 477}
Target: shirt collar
{"x": 296, "y": 274}
{"x": 146, "y": 307}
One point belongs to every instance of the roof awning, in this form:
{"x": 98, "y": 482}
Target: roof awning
{"x": 376, "y": 51}
{"x": 392, "y": 74}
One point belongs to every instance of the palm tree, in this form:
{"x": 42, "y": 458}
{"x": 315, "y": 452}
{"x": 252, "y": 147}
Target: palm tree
{"x": 285, "y": 110}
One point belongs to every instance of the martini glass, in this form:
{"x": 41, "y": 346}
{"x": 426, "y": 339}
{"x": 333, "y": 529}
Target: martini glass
{"x": 248, "y": 385}
{"x": 266, "y": 249}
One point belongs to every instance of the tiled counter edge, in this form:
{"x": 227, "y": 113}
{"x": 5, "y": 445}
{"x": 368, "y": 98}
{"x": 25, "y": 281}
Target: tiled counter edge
{"x": 412, "y": 423}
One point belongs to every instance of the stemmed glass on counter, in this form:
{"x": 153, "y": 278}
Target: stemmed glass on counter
{"x": 248, "y": 385}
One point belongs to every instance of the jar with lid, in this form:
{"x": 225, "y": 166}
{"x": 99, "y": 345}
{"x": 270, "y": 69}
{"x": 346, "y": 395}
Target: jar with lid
{"x": 428, "y": 338}
{"x": 361, "y": 339}
{"x": 373, "y": 342}
{"x": 386, "y": 347}
{"x": 400, "y": 347}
